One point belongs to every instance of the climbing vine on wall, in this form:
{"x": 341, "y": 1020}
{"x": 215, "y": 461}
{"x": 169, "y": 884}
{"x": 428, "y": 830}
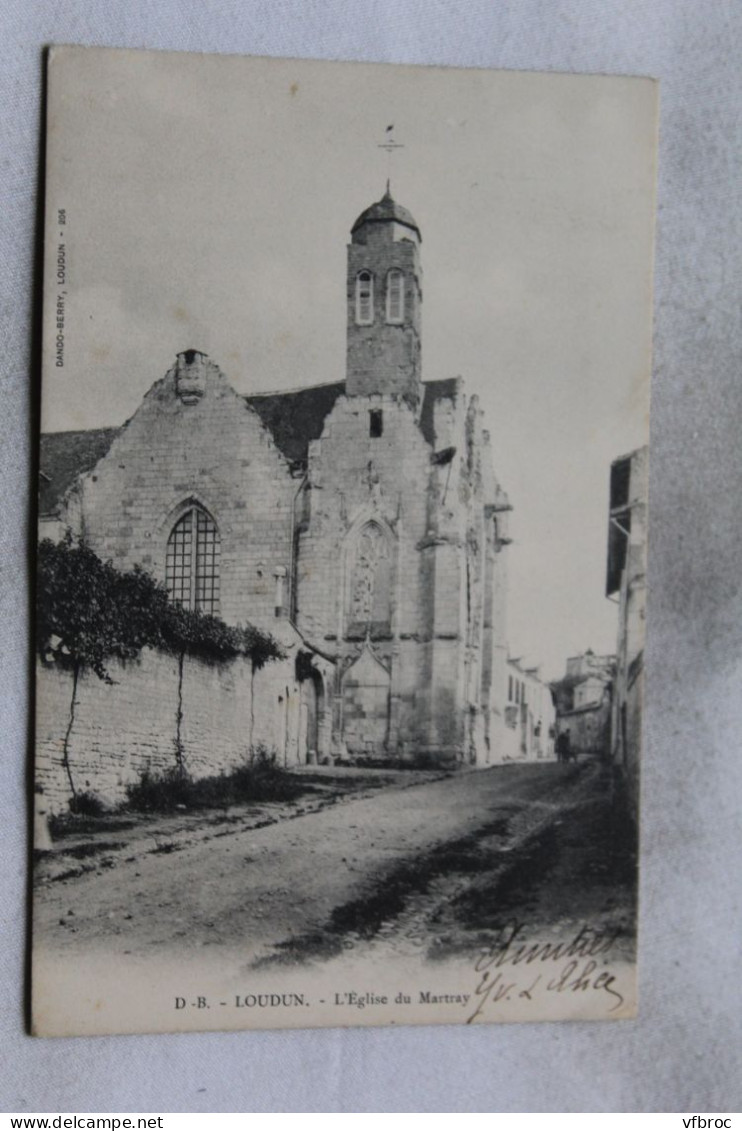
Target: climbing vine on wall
{"x": 89, "y": 613}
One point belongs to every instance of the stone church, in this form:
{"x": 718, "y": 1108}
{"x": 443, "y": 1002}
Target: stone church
{"x": 360, "y": 522}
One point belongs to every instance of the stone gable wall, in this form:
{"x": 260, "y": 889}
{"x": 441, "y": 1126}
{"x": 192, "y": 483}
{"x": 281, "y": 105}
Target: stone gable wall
{"x": 213, "y": 451}
{"x": 444, "y": 632}
{"x": 355, "y": 479}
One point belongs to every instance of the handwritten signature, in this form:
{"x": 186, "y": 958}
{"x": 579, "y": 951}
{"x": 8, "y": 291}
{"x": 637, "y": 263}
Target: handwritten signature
{"x": 576, "y": 962}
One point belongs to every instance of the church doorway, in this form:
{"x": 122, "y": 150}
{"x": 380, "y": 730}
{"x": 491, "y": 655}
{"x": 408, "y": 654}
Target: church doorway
{"x": 312, "y": 699}
{"x": 366, "y": 689}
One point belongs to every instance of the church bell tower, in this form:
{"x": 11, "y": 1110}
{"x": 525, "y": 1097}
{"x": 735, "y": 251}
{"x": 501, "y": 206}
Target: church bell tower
{"x": 384, "y": 299}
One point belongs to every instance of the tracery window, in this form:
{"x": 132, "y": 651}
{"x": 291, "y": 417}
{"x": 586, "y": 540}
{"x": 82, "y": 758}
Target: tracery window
{"x": 364, "y": 298}
{"x": 395, "y": 296}
{"x": 192, "y": 561}
{"x": 369, "y": 596}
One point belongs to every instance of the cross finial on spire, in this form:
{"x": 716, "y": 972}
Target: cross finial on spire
{"x": 389, "y": 144}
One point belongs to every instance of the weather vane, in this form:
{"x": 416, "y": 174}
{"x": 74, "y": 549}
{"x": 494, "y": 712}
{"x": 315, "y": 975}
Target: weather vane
{"x": 389, "y": 144}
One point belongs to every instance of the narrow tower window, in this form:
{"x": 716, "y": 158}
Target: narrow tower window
{"x": 395, "y": 296}
{"x": 364, "y": 299}
{"x": 376, "y": 423}
{"x": 192, "y": 562}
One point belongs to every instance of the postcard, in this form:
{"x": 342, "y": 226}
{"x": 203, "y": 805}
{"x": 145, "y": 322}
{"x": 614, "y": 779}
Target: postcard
{"x": 342, "y": 544}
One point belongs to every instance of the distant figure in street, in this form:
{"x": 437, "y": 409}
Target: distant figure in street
{"x": 564, "y": 747}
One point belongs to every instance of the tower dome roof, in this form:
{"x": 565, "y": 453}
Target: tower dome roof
{"x": 387, "y": 210}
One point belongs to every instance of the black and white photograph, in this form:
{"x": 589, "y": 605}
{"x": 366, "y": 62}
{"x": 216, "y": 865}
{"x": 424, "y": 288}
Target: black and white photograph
{"x": 341, "y": 587}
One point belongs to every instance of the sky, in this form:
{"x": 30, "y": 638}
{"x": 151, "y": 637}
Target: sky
{"x": 208, "y": 204}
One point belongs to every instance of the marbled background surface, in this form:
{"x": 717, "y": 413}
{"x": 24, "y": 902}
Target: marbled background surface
{"x": 683, "y": 1052}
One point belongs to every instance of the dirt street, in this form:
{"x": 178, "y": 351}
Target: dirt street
{"x": 289, "y": 887}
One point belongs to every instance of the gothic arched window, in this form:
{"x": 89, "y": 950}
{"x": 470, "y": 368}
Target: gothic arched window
{"x": 364, "y": 298}
{"x": 192, "y": 561}
{"x": 370, "y": 584}
{"x": 395, "y": 296}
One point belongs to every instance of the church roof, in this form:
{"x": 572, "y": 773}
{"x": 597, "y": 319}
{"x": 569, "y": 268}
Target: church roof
{"x": 434, "y": 391}
{"x": 293, "y": 419}
{"x": 65, "y": 455}
{"x": 384, "y": 210}
{"x": 296, "y": 418}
